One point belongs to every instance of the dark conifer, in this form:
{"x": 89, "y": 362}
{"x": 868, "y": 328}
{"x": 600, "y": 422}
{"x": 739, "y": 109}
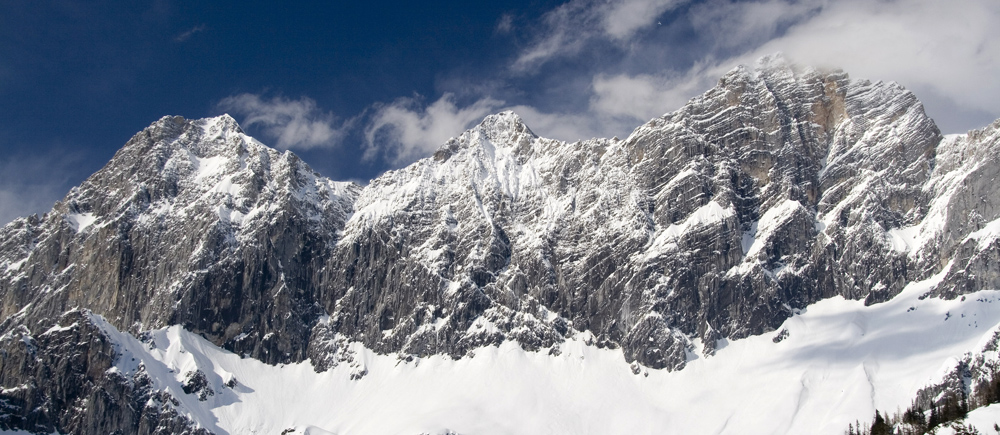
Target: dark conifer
{"x": 879, "y": 426}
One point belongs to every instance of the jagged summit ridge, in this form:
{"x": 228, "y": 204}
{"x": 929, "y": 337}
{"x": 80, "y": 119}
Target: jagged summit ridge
{"x": 504, "y": 127}
{"x": 770, "y": 191}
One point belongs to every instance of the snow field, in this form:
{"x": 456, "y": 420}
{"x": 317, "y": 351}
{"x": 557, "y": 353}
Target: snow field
{"x": 840, "y": 361}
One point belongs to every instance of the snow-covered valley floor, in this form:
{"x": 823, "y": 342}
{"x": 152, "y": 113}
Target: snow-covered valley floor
{"x": 839, "y": 362}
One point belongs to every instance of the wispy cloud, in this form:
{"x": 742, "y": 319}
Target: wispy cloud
{"x": 725, "y": 25}
{"x": 569, "y": 28}
{"x": 947, "y": 52}
{"x": 406, "y": 130}
{"x": 31, "y": 184}
{"x": 298, "y": 124}
{"x": 570, "y": 127}
{"x": 643, "y": 96}
{"x": 505, "y": 24}
{"x": 187, "y": 34}
{"x": 623, "y": 18}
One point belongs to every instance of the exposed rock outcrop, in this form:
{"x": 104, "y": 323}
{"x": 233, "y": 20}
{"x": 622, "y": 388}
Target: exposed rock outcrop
{"x": 773, "y": 190}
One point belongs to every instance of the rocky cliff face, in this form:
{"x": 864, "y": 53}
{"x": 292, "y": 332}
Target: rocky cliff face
{"x": 64, "y": 380}
{"x": 771, "y": 191}
{"x": 191, "y": 223}
{"x": 779, "y": 187}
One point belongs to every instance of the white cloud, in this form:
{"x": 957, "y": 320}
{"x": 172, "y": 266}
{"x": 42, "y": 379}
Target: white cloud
{"x": 618, "y": 104}
{"x": 623, "y": 18}
{"x": 292, "y": 123}
{"x": 404, "y": 131}
{"x": 952, "y": 48}
{"x": 947, "y": 50}
{"x": 24, "y": 201}
{"x": 728, "y": 24}
{"x": 643, "y": 96}
{"x": 567, "y": 29}
{"x": 567, "y": 127}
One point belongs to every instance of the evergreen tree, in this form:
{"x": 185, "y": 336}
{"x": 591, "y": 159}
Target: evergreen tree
{"x": 879, "y": 426}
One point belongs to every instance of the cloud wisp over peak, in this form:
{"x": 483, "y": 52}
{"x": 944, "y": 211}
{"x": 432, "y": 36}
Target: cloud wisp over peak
{"x": 406, "y": 130}
{"x": 633, "y": 71}
{"x": 293, "y": 124}
{"x": 647, "y": 57}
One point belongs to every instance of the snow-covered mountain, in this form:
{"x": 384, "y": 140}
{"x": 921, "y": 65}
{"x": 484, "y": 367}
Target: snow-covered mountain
{"x": 811, "y": 231}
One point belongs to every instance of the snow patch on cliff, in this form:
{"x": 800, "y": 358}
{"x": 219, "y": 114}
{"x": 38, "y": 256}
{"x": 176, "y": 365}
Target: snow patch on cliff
{"x": 987, "y": 235}
{"x": 81, "y": 221}
{"x": 708, "y": 214}
{"x": 772, "y": 219}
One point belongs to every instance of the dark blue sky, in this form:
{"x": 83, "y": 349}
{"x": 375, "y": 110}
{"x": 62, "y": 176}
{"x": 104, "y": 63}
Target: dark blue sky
{"x": 77, "y": 79}
{"x": 378, "y": 85}
{"x": 85, "y": 76}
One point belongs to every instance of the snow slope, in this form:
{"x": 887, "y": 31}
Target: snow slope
{"x": 983, "y": 419}
{"x": 838, "y": 362}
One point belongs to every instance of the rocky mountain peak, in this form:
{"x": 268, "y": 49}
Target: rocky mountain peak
{"x": 504, "y": 128}
{"x": 224, "y": 123}
{"x": 186, "y": 213}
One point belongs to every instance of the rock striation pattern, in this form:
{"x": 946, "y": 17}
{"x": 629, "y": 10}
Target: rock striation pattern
{"x": 779, "y": 187}
{"x": 773, "y": 190}
{"x": 191, "y": 223}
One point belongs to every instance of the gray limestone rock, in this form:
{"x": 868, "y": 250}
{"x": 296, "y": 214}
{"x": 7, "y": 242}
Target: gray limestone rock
{"x": 771, "y": 191}
{"x": 62, "y": 379}
{"x": 191, "y": 223}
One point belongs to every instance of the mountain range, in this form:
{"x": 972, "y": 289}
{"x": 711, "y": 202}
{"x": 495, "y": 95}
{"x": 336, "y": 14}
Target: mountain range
{"x": 794, "y": 225}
